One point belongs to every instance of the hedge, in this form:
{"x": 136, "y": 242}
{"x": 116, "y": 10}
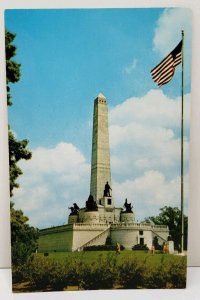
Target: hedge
{"x": 106, "y": 273}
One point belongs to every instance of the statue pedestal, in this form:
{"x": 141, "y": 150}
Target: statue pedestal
{"x": 170, "y": 245}
{"x": 91, "y": 217}
{"x": 107, "y": 202}
{"x": 127, "y": 217}
{"x": 72, "y": 219}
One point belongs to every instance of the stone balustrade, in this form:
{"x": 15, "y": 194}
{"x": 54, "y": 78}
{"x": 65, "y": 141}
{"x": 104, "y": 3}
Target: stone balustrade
{"x": 98, "y": 226}
{"x": 139, "y": 226}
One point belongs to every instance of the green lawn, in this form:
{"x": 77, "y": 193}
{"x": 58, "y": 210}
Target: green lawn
{"x": 94, "y": 256}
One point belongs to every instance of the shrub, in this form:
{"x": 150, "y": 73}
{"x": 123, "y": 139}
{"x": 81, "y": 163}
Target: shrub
{"x": 19, "y": 273}
{"x": 177, "y": 273}
{"x": 167, "y": 274}
{"x": 23, "y": 237}
{"x": 99, "y": 275}
{"x": 131, "y": 274}
{"x": 156, "y": 244}
{"x": 75, "y": 269}
{"x": 140, "y": 247}
{"x": 156, "y": 277}
{"x": 58, "y": 278}
{"x": 108, "y": 240}
{"x": 103, "y": 248}
{"x": 99, "y": 248}
{"x": 39, "y": 271}
{"x": 104, "y": 273}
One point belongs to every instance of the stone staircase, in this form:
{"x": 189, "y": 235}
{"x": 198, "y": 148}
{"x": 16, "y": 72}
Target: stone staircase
{"x": 159, "y": 236}
{"x": 97, "y": 240}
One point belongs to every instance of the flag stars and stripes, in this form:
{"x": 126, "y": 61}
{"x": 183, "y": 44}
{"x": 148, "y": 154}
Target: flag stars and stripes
{"x": 164, "y": 71}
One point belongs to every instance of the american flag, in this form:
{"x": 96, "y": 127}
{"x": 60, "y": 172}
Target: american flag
{"x": 164, "y": 71}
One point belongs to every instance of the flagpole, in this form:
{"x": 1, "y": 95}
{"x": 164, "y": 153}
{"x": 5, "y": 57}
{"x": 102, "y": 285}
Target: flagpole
{"x": 182, "y": 153}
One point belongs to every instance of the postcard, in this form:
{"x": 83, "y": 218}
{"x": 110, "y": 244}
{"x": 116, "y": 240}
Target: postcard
{"x": 99, "y": 106}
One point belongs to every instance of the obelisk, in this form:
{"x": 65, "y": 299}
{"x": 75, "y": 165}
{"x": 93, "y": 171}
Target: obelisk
{"x": 100, "y": 163}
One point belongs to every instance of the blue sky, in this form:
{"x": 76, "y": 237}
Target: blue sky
{"x": 67, "y": 57}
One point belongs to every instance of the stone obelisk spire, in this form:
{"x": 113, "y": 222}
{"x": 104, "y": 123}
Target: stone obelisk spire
{"x": 100, "y": 164}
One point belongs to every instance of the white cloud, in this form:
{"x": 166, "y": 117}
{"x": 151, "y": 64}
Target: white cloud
{"x": 129, "y": 69}
{"x": 149, "y": 192}
{"x": 169, "y": 27}
{"x": 145, "y": 151}
{"x": 53, "y": 180}
{"x": 145, "y": 135}
{"x": 168, "y": 34}
{"x": 154, "y": 108}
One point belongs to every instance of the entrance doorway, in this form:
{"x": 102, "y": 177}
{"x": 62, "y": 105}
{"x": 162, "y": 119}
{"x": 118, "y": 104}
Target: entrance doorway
{"x": 141, "y": 241}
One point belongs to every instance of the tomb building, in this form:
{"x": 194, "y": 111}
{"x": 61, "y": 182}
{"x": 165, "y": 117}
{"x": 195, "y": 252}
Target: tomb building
{"x": 100, "y": 218}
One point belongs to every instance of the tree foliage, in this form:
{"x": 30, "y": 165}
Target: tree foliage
{"x": 23, "y": 237}
{"x": 17, "y": 149}
{"x": 12, "y": 68}
{"x": 171, "y": 216}
{"x": 104, "y": 272}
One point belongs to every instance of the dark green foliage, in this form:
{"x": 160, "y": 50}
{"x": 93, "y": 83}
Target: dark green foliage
{"x": 17, "y": 151}
{"x": 12, "y": 68}
{"x": 106, "y": 272}
{"x": 171, "y": 216}
{"x": 99, "y": 248}
{"x": 23, "y": 237}
{"x": 102, "y": 248}
{"x": 44, "y": 273}
{"x": 57, "y": 277}
{"x": 100, "y": 275}
{"x": 177, "y": 271}
{"x": 157, "y": 276}
{"x": 131, "y": 274}
{"x": 75, "y": 269}
{"x": 156, "y": 244}
{"x": 140, "y": 247}
{"x": 108, "y": 240}
{"x": 167, "y": 275}
{"x": 19, "y": 273}
{"x": 39, "y": 272}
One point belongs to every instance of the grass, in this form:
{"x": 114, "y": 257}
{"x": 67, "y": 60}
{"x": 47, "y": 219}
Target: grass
{"x": 89, "y": 257}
